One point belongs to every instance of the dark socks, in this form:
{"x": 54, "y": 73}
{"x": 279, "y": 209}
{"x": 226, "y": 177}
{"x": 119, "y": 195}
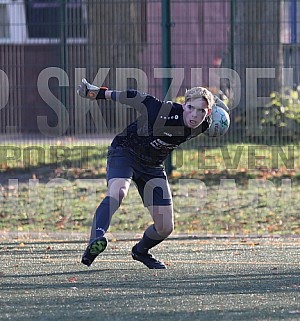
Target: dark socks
{"x": 102, "y": 217}
{"x": 146, "y": 243}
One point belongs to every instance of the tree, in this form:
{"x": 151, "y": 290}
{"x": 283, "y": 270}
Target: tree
{"x": 256, "y": 44}
{"x": 113, "y": 37}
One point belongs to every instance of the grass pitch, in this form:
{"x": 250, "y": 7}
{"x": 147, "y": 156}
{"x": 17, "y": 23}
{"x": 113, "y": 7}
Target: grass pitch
{"x": 207, "y": 279}
{"x": 231, "y": 190}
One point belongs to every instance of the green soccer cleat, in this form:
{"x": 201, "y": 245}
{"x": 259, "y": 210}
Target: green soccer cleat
{"x": 93, "y": 250}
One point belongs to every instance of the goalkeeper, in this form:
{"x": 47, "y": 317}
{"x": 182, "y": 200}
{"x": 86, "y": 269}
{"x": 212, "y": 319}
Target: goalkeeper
{"x": 137, "y": 154}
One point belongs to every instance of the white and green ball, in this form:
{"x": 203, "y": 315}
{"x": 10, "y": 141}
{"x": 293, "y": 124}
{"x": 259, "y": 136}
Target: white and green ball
{"x": 220, "y": 122}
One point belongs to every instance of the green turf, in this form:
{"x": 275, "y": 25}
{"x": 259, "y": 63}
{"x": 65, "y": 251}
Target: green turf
{"x": 216, "y": 191}
{"x": 87, "y": 158}
{"x": 206, "y": 279}
{"x": 263, "y": 208}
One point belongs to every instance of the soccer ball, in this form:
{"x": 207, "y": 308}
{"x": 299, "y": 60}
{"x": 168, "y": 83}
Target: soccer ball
{"x": 220, "y": 122}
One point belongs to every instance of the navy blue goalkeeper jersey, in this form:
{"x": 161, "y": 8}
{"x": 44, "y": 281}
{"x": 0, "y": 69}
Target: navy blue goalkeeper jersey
{"x": 157, "y": 131}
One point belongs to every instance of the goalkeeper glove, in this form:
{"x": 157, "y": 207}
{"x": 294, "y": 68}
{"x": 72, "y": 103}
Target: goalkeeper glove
{"x": 87, "y": 90}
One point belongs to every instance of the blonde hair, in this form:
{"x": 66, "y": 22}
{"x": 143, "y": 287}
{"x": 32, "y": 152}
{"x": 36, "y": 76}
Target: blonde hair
{"x": 200, "y": 92}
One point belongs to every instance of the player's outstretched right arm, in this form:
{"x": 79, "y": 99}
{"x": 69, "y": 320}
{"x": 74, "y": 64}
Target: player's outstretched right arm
{"x": 131, "y": 98}
{"x": 87, "y": 90}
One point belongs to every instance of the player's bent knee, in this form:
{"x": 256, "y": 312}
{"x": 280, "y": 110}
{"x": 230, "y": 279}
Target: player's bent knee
{"x": 165, "y": 231}
{"x": 118, "y": 189}
{"x": 118, "y": 194}
{"x": 122, "y": 193}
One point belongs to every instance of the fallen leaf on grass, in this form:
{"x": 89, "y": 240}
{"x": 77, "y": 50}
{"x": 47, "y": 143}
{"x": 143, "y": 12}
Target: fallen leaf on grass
{"x": 237, "y": 253}
{"x": 72, "y": 279}
{"x": 253, "y": 243}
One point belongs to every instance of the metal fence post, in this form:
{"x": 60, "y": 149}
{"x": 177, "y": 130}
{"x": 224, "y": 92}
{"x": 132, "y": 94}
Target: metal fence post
{"x": 293, "y": 21}
{"x": 63, "y": 53}
{"x": 166, "y": 60}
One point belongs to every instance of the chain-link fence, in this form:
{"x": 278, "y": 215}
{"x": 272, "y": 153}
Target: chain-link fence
{"x": 242, "y": 50}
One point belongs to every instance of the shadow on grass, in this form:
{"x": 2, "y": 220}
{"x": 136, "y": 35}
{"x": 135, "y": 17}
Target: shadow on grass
{"x": 166, "y": 296}
{"x": 192, "y": 284}
{"x": 58, "y": 287}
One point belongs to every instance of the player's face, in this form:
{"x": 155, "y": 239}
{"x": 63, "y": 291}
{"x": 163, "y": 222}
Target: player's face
{"x": 194, "y": 112}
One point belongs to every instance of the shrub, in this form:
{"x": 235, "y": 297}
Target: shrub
{"x": 283, "y": 110}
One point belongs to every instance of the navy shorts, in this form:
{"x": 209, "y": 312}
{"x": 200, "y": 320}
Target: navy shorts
{"x": 151, "y": 182}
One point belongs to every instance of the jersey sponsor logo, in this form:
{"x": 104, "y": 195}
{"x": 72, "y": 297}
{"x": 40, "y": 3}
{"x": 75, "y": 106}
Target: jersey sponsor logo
{"x": 160, "y": 144}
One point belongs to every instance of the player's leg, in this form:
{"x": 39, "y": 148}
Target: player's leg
{"x": 160, "y": 230}
{"x": 154, "y": 234}
{"x": 117, "y": 190}
{"x": 157, "y": 198}
{"x": 119, "y": 173}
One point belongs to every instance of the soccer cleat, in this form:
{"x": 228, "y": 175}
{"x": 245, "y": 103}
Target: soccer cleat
{"x": 147, "y": 259}
{"x": 93, "y": 250}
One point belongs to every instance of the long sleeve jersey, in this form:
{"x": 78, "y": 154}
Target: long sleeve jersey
{"x": 157, "y": 131}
